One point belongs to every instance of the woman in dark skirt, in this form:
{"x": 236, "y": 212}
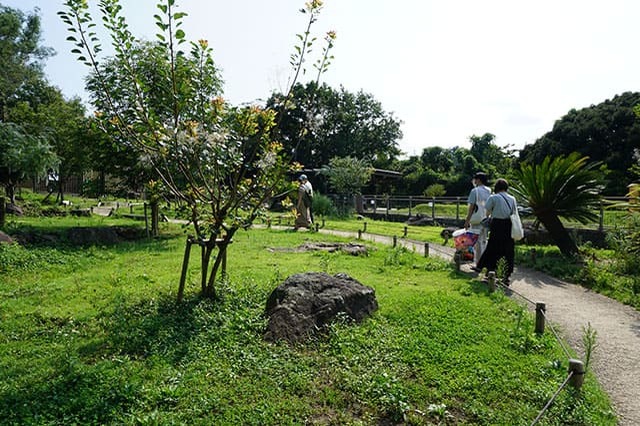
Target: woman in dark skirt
{"x": 499, "y": 206}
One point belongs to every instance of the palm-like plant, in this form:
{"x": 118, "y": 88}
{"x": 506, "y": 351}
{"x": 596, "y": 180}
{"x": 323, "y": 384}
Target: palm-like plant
{"x": 566, "y": 187}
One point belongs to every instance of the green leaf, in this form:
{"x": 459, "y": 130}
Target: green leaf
{"x": 180, "y": 34}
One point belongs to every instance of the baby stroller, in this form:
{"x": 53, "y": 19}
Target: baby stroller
{"x": 464, "y": 240}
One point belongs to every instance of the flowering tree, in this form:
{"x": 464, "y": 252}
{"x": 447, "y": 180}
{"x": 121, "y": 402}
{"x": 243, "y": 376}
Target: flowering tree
{"x": 164, "y": 103}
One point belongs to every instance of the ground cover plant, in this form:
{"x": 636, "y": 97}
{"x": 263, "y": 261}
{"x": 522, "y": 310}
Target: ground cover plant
{"x": 93, "y": 335}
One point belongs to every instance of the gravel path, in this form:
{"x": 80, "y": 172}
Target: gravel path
{"x": 571, "y": 308}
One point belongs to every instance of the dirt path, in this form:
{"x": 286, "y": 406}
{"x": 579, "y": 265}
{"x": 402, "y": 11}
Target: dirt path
{"x": 616, "y": 359}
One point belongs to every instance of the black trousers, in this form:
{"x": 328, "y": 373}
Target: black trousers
{"x": 500, "y": 245}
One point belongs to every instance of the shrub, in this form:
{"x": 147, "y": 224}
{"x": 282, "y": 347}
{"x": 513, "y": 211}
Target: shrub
{"x": 323, "y": 206}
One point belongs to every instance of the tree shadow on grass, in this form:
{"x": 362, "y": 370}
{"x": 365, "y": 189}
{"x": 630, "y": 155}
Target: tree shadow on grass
{"x": 79, "y": 238}
{"x": 123, "y": 367}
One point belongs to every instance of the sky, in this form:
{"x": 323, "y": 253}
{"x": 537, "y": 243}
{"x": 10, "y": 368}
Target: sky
{"x": 448, "y": 69}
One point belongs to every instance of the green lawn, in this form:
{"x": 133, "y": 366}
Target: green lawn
{"x": 93, "y": 336}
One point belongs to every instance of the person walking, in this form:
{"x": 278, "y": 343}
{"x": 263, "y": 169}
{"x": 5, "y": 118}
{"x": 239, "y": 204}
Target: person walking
{"x": 476, "y": 213}
{"x": 303, "y": 206}
{"x": 499, "y": 207}
{"x": 309, "y": 189}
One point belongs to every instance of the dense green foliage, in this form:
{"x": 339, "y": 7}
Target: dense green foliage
{"x": 21, "y": 56}
{"x": 566, "y": 187}
{"x": 608, "y": 132}
{"x": 93, "y": 335}
{"x": 22, "y": 155}
{"x": 320, "y": 123}
{"x": 452, "y": 168}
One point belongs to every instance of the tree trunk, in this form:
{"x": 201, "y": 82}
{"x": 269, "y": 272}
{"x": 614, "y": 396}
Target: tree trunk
{"x": 3, "y": 211}
{"x": 10, "y": 189}
{"x": 559, "y": 234}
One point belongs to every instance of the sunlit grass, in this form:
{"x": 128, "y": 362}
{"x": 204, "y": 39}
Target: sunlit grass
{"x": 93, "y": 335}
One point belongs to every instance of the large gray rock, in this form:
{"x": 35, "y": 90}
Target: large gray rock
{"x": 305, "y": 303}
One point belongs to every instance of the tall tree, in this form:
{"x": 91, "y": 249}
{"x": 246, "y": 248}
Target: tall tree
{"x": 561, "y": 187}
{"x": 608, "y": 132}
{"x": 320, "y": 123}
{"x": 20, "y": 54}
{"x": 46, "y": 112}
{"x": 22, "y": 155}
{"x": 220, "y": 160}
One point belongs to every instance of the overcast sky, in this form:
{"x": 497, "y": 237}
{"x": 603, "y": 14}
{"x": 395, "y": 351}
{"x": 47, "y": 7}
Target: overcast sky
{"x": 448, "y": 69}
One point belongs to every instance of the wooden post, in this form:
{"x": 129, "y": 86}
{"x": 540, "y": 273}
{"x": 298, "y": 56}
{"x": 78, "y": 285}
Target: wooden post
{"x": 364, "y": 229}
{"x": 359, "y": 234}
{"x": 426, "y": 249}
{"x": 433, "y": 208}
{"x": 457, "y": 208}
{"x": 534, "y": 255}
{"x": 395, "y": 241}
{"x": 405, "y": 232}
{"x": 146, "y": 220}
{"x": 541, "y": 308}
{"x": 155, "y": 219}
{"x": 131, "y": 208}
{"x": 269, "y": 223}
{"x": 601, "y": 226}
{"x": 577, "y": 367}
{"x": 185, "y": 266}
{"x": 457, "y": 259}
{"x": 491, "y": 280}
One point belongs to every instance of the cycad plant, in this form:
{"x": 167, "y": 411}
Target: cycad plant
{"x": 563, "y": 187}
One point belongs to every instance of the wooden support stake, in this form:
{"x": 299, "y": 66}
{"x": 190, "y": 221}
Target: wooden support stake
{"x": 359, "y": 234}
{"x": 577, "y": 367}
{"x": 491, "y": 281}
{"x": 185, "y": 266}
{"x": 395, "y": 241}
{"x": 426, "y": 249}
{"x": 457, "y": 259}
{"x": 540, "y": 310}
{"x": 364, "y": 229}
{"x": 405, "y": 232}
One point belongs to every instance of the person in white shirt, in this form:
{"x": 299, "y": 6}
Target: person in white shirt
{"x": 500, "y": 206}
{"x": 476, "y": 212}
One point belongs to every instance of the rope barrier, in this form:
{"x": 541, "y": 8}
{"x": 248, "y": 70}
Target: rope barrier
{"x": 548, "y": 323}
{"x": 555, "y": 395}
{"x": 506, "y": 287}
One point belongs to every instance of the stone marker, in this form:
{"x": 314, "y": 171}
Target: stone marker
{"x": 306, "y": 303}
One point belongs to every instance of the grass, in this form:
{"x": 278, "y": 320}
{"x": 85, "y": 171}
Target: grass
{"x": 420, "y": 233}
{"x": 92, "y": 335}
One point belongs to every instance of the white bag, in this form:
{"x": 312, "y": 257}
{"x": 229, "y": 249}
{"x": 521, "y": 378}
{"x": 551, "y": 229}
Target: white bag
{"x": 479, "y": 212}
{"x": 517, "y": 233}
